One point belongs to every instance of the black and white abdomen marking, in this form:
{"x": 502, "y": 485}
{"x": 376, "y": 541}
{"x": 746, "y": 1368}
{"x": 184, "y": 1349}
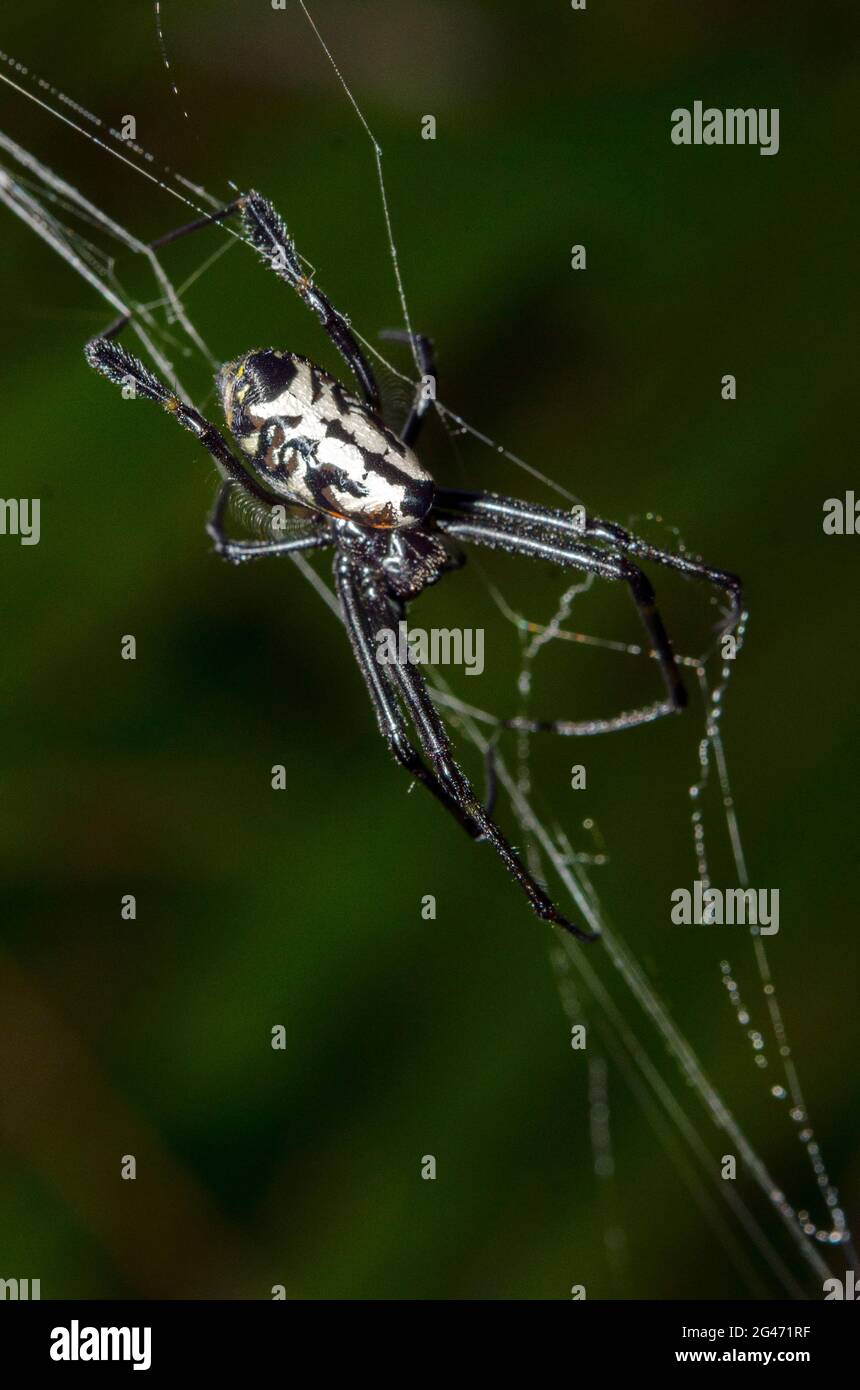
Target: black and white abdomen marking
{"x": 313, "y": 443}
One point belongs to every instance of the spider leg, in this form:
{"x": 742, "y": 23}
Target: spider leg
{"x": 317, "y": 536}
{"x": 536, "y": 519}
{"x": 197, "y": 225}
{"x": 115, "y": 327}
{"x": 729, "y": 583}
{"x": 119, "y": 366}
{"x": 427, "y": 366}
{"x": 267, "y": 232}
{"x": 382, "y": 697}
{"x": 120, "y": 323}
{"x": 437, "y": 748}
{"x": 366, "y": 609}
{"x": 504, "y": 524}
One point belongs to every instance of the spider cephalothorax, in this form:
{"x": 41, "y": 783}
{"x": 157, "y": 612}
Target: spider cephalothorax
{"x": 408, "y": 561}
{"x": 305, "y": 441}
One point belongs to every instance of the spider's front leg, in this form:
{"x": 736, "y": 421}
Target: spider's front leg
{"x": 268, "y": 233}
{"x": 120, "y": 367}
{"x": 437, "y": 747}
{"x": 113, "y": 361}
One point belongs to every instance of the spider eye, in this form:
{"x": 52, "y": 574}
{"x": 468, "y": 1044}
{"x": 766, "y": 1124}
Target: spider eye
{"x": 257, "y": 379}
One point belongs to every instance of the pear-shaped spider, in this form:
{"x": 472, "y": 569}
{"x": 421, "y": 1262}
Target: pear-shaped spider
{"x": 360, "y": 490}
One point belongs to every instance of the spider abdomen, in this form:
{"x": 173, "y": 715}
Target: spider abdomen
{"x": 311, "y": 442}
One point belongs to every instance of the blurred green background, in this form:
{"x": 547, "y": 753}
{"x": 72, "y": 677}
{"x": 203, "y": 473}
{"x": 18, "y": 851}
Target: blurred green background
{"x": 254, "y": 908}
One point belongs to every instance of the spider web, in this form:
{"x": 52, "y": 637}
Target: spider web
{"x": 607, "y": 988}
{"x": 582, "y": 992}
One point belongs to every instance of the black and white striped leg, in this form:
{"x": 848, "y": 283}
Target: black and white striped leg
{"x": 360, "y": 627}
{"x": 425, "y": 394}
{"x": 317, "y": 535}
{"x": 123, "y": 369}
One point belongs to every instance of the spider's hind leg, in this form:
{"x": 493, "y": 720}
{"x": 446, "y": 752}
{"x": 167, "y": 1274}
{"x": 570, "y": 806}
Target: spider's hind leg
{"x": 366, "y": 609}
{"x": 383, "y": 698}
{"x": 603, "y": 548}
{"x": 437, "y": 747}
{"x": 630, "y": 544}
{"x": 676, "y": 700}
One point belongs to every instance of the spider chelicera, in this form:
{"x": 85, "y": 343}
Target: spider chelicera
{"x": 360, "y": 491}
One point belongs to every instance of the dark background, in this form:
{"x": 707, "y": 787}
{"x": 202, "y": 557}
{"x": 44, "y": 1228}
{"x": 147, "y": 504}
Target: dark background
{"x": 255, "y": 908}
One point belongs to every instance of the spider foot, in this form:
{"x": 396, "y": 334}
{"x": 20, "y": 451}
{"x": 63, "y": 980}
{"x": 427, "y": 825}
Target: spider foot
{"x": 115, "y": 362}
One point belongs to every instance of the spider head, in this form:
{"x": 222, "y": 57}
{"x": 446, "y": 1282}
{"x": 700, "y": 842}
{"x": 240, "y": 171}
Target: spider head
{"x": 308, "y": 440}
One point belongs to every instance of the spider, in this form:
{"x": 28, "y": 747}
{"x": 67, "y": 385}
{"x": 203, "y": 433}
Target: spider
{"x": 306, "y": 443}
